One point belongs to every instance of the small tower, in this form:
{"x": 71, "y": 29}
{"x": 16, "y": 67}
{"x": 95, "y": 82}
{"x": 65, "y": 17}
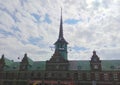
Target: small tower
{"x": 61, "y": 43}
{"x": 95, "y": 62}
{"x": 26, "y": 63}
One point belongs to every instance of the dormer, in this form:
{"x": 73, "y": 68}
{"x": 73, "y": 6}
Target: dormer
{"x": 26, "y": 63}
{"x": 95, "y": 62}
{"x": 5, "y": 63}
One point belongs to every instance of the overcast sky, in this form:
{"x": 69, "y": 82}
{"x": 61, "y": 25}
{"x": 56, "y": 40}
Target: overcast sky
{"x": 32, "y": 27}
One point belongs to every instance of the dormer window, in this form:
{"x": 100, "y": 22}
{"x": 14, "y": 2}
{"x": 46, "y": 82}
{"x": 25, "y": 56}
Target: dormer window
{"x": 79, "y": 67}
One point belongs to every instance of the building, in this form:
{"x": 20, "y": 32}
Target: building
{"x": 58, "y": 70}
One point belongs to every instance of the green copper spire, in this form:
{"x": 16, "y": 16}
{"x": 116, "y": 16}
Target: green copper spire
{"x": 61, "y": 43}
{"x": 61, "y": 38}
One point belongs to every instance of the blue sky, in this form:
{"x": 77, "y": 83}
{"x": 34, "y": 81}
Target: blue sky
{"x": 31, "y": 26}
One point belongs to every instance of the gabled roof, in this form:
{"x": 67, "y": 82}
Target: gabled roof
{"x": 27, "y": 60}
{"x": 6, "y": 61}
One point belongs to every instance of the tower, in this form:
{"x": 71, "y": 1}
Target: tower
{"x": 95, "y": 62}
{"x": 61, "y": 43}
{"x": 59, "y": 59}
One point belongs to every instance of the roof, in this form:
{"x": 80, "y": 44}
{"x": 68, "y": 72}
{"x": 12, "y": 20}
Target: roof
{"x": 6, "y": 61}
{"x": 110, "y": 65}
{"x": 107, "y": 65}
{"x": 30, "y": 61}
{"x": 38, "y": 65}
{"x": 13, "y": 66}
{"x": 27, "y": 59}
{"x": 79, "y": 65}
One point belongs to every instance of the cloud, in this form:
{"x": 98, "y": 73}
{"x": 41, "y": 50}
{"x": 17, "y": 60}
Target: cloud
{"x": 28, "y": 26}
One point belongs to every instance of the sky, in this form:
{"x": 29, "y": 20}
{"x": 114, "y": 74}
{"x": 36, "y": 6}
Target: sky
{"x": 32, "y": 27}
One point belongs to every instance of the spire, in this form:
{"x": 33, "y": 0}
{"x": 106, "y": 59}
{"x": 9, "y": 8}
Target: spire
{"x": 61, "y": 38}
{"x": 61, "y": 43}
{"x": 61, "y": 27}
{"x": 94, "y": 52}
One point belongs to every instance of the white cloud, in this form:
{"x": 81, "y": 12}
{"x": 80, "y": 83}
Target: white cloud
{"x": 98, "y": 28}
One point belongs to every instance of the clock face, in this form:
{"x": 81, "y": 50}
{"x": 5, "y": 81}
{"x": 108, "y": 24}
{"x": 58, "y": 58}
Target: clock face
{"x": 95, "y": 59}
{"x": 61, "y": 48}
{"x": 95, "y": 66}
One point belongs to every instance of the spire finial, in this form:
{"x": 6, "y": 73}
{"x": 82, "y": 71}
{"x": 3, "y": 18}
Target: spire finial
{"x": 25, "y": 55}
{"x": 61, "y": 27}
{"x": 2, "y": 55}
{"x": 94, "y": 52}
{"x": 61, "y": 11}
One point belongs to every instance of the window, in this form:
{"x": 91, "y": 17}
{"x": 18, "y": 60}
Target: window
{"x": 39, "y": 74}
{"x": 88, "y": 76}
{"x": 68, "y": 75}
{"x": 1, "y": 66}
{"x": 97, "y": 76}
{"x": 53, "y": 74}
{"x": 115, "y": 76}
{"x": 57, "y": 67}
{"x": 32, "y": 74}
{"x": 79, "y": 67}
{"x": 75, "y": 75}
{"x": 84, "y": 76}
{"x": 106, "y": 77}
{"x": 47, "y": 75}
{"x": 79, "y": 76}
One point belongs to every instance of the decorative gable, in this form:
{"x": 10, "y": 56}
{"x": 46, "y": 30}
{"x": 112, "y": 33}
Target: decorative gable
{"x": 95, "y": 62}
{"x": 5, "y": 63}
{"x": 26, "y": 63}
{"x": 57, "y": 62}
{"x": 57, "y": 58}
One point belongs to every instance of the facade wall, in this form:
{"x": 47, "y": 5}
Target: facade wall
{"x": 75, "y": 77}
